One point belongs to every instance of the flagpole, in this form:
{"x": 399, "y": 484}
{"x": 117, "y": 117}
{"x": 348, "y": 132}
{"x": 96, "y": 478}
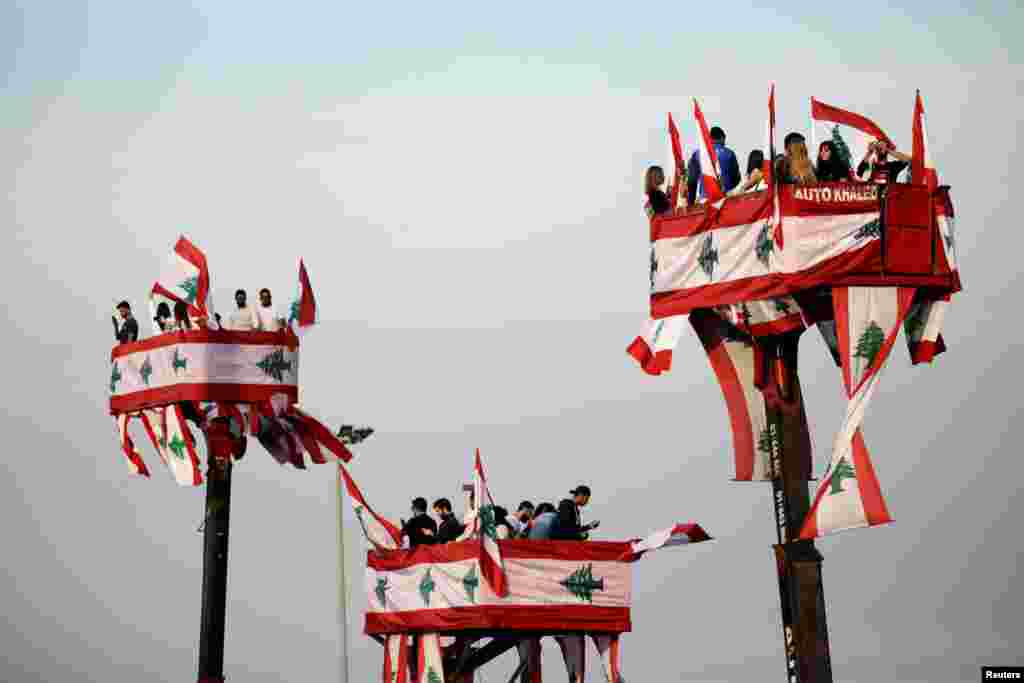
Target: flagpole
{"x": 343, "y": 666}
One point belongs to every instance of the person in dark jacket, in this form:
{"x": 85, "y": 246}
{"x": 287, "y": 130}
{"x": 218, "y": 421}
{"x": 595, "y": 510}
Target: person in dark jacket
{"x": 877, "y": 165}
{"x": 501, "y": 521}
{"x": 128, "y": 330}
{"x": 728, "y": 167}
{"x": 421, "y": 529}
{"x": 450, "y": 528}
{"x": 163, "y": 317}
{"x": 567, "y": 528}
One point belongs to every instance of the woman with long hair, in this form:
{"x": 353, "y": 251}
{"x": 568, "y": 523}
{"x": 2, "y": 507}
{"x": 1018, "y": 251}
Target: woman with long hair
{"x": 797, "y": 167}
{"x": 755, "y": 174}
{"x": 657, "y": 201}
{"x": 831, "y": 167}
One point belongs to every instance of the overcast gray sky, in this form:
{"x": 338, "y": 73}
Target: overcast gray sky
{"x": 464, "y": 185}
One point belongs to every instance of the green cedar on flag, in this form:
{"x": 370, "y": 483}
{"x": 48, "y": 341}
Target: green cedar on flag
{"x": 582, "y": 583}
{"x": 275, "y": 365}
{"x": 867, "y": 322}
{"x": 186, "y": 279}
{"x": 491, "y": 565}
{"x": 146, "y": 370}
{"x": 470, "y": 582}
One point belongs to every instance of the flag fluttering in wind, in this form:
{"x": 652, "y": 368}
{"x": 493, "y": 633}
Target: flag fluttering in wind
{"x": 678, "y": 534}
{"x": 491, "y": 565}
{"x": 833, "y": 123}
{"x": 708, "y": 158}
{"x": 679, "y": 161}
{"x": 185, "y": 278}
{"x": 128, "y": 446}
{"x": 381, "y": 533}
{"x": 653, "y": 349}
{"x": 302, "y": 312}
{"x": 922, "y": 170}
{"x": 769, "y": 173}
{"x": 867, "y": 322}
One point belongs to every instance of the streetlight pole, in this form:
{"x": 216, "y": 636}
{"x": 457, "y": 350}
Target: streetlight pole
{"x": 798, "y": 562}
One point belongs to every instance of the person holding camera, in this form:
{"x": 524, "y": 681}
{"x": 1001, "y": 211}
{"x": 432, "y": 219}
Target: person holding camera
{"x": 880, "y": 168}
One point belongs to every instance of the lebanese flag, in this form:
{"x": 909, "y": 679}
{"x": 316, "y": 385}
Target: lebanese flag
{"x": 302, "y": 312}
{"x": 736, "y": 359}
{"x": 679, "y": 161}
{"x": 867, "y": 322}
{"x": 764, "y": 317}
{"x": 708, "y": 158}
{"x": 851, "y": 147}
{"x": 430, "y": 667}
{"x": 134, "y": 458}
{"x": 180, "y": 447}
{"x": 922, "y": 170}
{"x": 678, "y": 534}
{"x": 923, "y": 329}
{"x": 381, "y": 533}
{"x": 768, "y": 172}
{"x": 321, "y": 434}
{"x": 396, "y": 659}
{"x": 492, "y": 567}
{"x": 185, "y": 278}
{"x": 653, "y": 349}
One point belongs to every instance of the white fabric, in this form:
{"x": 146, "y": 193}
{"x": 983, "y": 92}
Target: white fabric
{"x": 268, "y": 318}
{"x": 242, "y": 319}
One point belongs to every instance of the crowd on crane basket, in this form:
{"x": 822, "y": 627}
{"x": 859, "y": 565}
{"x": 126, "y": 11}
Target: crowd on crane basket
{"x": 882, "y": 163}
{"x": 537, "y": 523}
{"x": 244, "y": 318}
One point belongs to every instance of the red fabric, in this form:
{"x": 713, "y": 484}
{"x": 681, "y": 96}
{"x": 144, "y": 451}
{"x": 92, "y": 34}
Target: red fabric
{"x": 191, "y": 253}
{"x": 178, "y": 393}
{"x": 712, "y": 188}
{"x": 920, "y": 173}
{"x": 190, "y": 444}
{"x": 547, "y": 618}
{"x": 323, "y": 435}
{"x": 356, "y": 494}
{"x": 653, "y": 363}
{"x": 129, "y": 450}
{"x": 307, "y": 303}
{"x": 204, "y": 336}
{"x": 706, "y": 324}
{"x": 516, "y": 549}
{"x": 680, "y": 161}
{"x": 825, "y": 112}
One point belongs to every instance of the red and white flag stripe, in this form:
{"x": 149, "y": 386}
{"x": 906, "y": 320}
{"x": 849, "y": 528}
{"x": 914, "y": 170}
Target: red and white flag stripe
{"x": 826, "y": 112}
{"x": 678, "y": 534}
{"x": 708, "y": 158}
{"x": 653, "y": 349}
{"x": 867, "y": 322}
{"x": 133, "y": 457}
{"x": 186, "y": 278}
{"x": 396, "y": 659}
{"x": 678, "y": 161}
{"x": 378, "y": 531}
{"x": 303, "y": 314}
{"x": 431, "y": 665}
{"x": 491, "y": 565}
{"x": 922, "y": 169}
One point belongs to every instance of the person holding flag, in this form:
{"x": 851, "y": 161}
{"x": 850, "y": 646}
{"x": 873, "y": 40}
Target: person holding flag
{"x": 722, "y": 159}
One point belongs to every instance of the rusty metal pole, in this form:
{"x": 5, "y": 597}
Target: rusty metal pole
{"x": 798, "y": 562}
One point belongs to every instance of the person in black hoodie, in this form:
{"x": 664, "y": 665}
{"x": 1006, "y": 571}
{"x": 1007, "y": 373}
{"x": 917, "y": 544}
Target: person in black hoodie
{"x": 421, "y": 529}
{"x": 450, "y": 528}
{"x": 567, "y": 528}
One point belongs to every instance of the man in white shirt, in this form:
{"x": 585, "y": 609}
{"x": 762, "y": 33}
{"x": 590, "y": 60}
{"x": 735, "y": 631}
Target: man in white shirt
{"x": 244, "y": 318}
{"x": 266, "y": 318}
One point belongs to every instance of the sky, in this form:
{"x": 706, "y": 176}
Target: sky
{"x": 464, "y": 185}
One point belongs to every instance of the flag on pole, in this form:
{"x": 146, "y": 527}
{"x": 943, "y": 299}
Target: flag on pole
{"x": 430, "y": 660}
{"x": 381, "y": 533}
{"x": 832, "y": 123}
{"x": 679, "y": 161}
{"x": 302, "y": 312}
{"x": 678, "y": 534}
{"x": 922, "y": 170}
{"x": 653, "y": 349}
{"x": 769, "y": 173}
{"x": 491, "y": 565}
{"x": 396, "y": 658}
{"x": 185, "y": 278}
{"x": 867, "y": 322}
{"x": 708, "y": 158}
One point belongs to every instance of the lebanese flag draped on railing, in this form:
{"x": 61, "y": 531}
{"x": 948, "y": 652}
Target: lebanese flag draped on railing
{"x": 653, "y": 349}
{"x": 823, "y": 114}
{"x": 922, "y": 170}
{"x": 708, "y": 158}
{"x": 679, "y": 161}
{"x": 867, "y": 322}
{"x": 185, "y": 278}
{"x": 302, "y": 311}
{"x": 381, "y": 533}
{"x": 492, "y": 567}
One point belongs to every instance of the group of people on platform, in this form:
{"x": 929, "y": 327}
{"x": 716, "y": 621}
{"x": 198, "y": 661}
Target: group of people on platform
{"x": 882, "y": 163}
{"x": 541, "y": 522}
{"x": 243, "y": 319}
